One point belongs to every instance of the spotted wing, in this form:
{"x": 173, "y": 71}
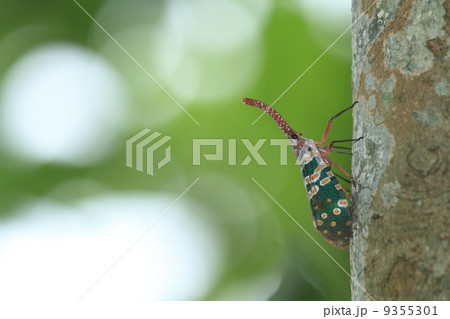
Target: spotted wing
{"x": 329, "y": 206}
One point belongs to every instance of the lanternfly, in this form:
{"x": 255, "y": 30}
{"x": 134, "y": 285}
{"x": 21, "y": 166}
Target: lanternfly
{"x": 329, "y": 205}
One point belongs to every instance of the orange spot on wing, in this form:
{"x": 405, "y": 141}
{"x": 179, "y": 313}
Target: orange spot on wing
{"x": 315, "y": 177}
{"x": 333, "y": 224}
{"x": 336, "y": 211}
{"x": 319, "y": 223}
{"x": 348, "y": 223}
{"x": 329, "y": 200}
{"x": 319, "y": 168}
{"x": 324, "y": 181}
{"x": 324, "y": 215}
{"x": 343, "y": 203}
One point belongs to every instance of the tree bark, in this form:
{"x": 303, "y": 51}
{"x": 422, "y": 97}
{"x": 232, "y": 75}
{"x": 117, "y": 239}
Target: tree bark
{"x": 400, "y": 247}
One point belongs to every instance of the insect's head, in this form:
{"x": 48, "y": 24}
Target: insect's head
{"x": 296, "y": 138}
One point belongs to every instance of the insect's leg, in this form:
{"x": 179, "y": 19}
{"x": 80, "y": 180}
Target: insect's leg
{"x": 330, "y": 161}
{"x": 331, "y": 145}
{"x": 342, "y": 147}
{"x": 345, "y": 189}
{"x": 344, "y": 179}
{"x": 327, "y": 128}
{"x": 347, "y": 192}
{"x": 339, "y": 152}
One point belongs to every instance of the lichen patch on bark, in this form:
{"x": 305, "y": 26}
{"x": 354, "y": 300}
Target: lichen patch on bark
{"x": 443, "y": 88}
{"x": 412, "y": 49}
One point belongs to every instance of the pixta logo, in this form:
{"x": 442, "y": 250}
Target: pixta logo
{"x": 252, "y": 150}
{"x": 142, "y": 150}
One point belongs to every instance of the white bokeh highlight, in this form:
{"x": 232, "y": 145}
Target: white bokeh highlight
{"x": 61, "y": 103}
{"x": 52, "y": 251}
{"x": 220, "y": 45}
{"x": 201, "y": 51}
{"x": 327, "y": 14}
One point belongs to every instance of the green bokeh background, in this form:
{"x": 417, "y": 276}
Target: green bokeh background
{"x": 290, "y": 42}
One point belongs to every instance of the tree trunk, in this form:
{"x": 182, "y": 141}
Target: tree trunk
{"x": 400, "y": 248}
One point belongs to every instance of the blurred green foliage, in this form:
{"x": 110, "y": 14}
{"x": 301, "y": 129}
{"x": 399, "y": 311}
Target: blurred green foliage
{"x": 255, "y": 246}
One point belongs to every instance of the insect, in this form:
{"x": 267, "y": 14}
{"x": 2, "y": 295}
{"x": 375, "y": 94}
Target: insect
{"x": 329, "y": 205}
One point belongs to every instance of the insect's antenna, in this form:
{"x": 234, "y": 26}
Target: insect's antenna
{"x": 274, "y": 114}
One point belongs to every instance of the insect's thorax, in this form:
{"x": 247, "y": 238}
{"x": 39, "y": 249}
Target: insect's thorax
{"x": 307, "y": 151}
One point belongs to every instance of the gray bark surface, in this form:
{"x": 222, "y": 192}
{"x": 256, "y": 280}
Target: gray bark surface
{"x": 400, "y": 76}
